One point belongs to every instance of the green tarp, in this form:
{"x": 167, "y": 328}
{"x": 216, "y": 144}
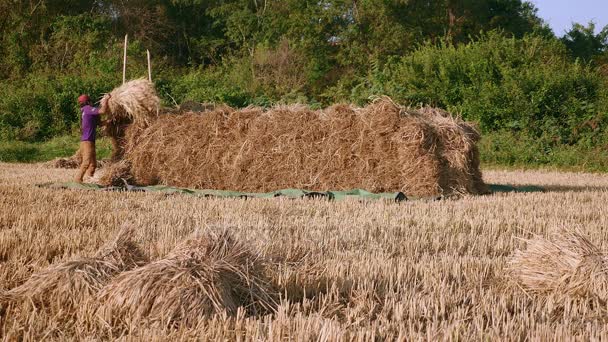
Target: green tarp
{"x": 287, "y": 193}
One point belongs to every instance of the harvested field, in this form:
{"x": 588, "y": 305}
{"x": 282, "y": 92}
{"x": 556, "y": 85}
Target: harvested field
{"x": 344, "y": 270}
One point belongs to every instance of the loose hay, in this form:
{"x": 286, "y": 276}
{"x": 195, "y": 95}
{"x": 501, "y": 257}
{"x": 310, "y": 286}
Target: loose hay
{"x": 114, "y": 174}
{"x": 567, "y": 264}
{"x": 133, "y": 103}
{"x": 199, "y": 278}
{"x": 135, "y": 100}
{"x": 380, "y": 148}
{"x": 72, "y": 162}
{"x": 67, "y": 285}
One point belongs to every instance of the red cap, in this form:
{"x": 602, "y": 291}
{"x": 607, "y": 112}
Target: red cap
{"x": 83, "y": 99}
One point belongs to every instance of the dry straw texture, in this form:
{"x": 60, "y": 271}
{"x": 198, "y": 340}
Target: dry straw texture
{"x": 349, "y": 270}
{"x": 115, "y": 174}
{"x": 134, "y": 103}
{"x": 380, "y": 148}
{"x": 72, "y": 162}
{"x": 67, "y": 285}
{"x": 135, "y": 100}
{"x": 566, "y": 264}
{"x": 203, "y": 276}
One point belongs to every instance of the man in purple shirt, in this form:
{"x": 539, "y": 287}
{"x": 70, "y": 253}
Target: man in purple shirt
{"x": 90, "y": 120}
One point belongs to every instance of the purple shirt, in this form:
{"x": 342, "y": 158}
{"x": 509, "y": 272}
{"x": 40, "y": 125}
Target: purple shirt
{"x": 90, "y": 118}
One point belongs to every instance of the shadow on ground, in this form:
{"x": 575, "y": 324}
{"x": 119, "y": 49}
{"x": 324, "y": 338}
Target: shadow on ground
{"x": 501, "y": 188}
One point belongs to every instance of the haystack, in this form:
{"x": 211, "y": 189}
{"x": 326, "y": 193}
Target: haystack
{"x": 201, "y": 277}
{"x": 566, "y": 264}
{"x": 66, "y": 285}
{"x": 381, "y": 148}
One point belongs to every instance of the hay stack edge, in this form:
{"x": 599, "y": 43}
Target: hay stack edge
{"x": 382, "y": 147}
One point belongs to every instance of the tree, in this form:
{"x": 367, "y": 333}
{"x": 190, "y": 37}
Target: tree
{"x": 583, "y": 43}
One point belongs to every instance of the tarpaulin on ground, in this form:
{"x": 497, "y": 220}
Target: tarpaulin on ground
{"x": 287, "y": 193}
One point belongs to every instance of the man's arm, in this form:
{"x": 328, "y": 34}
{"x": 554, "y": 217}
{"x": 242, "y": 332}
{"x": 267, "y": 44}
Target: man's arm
{"x": 104, "y": 104}
{"x": 103, "y": 109}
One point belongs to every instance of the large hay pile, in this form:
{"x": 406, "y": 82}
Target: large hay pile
{"x": 67, "y": 285}
{"x": 566, "y": 264}
{"x": 381, "y": 148}
{"x": 201, "y": 277}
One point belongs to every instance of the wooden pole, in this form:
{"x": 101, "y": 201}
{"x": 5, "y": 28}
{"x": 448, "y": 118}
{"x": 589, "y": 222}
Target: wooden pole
{"x": 124, "y": 62}
{"x": 149, "y": 66}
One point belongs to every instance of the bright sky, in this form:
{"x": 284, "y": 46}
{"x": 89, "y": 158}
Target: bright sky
{"x": 560, "y": 14}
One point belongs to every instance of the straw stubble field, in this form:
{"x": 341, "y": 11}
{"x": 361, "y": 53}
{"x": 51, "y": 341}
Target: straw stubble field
{"x": 341, "y": 270}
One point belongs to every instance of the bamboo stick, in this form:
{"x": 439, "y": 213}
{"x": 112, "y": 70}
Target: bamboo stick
{"x": 124, "y": 62}
{"x": 149, "y": 66}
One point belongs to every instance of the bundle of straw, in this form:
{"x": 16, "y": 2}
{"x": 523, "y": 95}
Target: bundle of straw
{"x": 134, "y": 103}
{"x": 565, "y": 264}
{"x": 135, "y": 100}
{"x": 201, "y": 277}
{"x": 66, "y": 285}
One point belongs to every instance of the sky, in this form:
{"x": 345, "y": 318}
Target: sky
{"x": 560, "y": 14}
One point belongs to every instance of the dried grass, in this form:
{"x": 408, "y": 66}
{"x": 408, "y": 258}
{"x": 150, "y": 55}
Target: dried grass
{"x": 134, "y": 103}
{"x": 201, "y": 277}
{"x": 566, "y": 264}
{"x": 72, "y": 162}
{"x": 114, "y": 174}
{"x": 67, "y": 285}
{"x": 380, "y": 148}
{"x": 135, "y": 100}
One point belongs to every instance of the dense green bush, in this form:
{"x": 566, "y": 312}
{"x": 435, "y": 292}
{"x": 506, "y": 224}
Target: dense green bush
{"x": 42, "y": 106}
{"x": 507, "y": 148}
{"x": 527, "y": 85}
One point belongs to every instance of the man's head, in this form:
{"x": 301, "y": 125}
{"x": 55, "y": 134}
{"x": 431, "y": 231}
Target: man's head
{"x": 84, "y": 100}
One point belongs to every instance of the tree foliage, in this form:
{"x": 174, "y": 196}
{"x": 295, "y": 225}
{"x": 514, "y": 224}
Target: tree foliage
{"x": 584, "y": 43}
{"x": 265, "y": 51}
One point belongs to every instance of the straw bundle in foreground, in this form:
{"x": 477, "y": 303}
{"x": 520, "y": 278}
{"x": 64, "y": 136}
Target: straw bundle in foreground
{"x": 565, "y": 264}
{"x": 66, "y": 285}
{"x": 380, "y": 148}
{"x": 200, "y": 278}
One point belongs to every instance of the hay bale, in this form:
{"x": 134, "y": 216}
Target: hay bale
{"x": 380, "y": 148}
{"x": 201, "y": 277}
{"x": 566, "y": 264}
{"x": 66, "y": 285}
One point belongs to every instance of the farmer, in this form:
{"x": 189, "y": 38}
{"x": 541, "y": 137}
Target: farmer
{"x": 90, "y": 120}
